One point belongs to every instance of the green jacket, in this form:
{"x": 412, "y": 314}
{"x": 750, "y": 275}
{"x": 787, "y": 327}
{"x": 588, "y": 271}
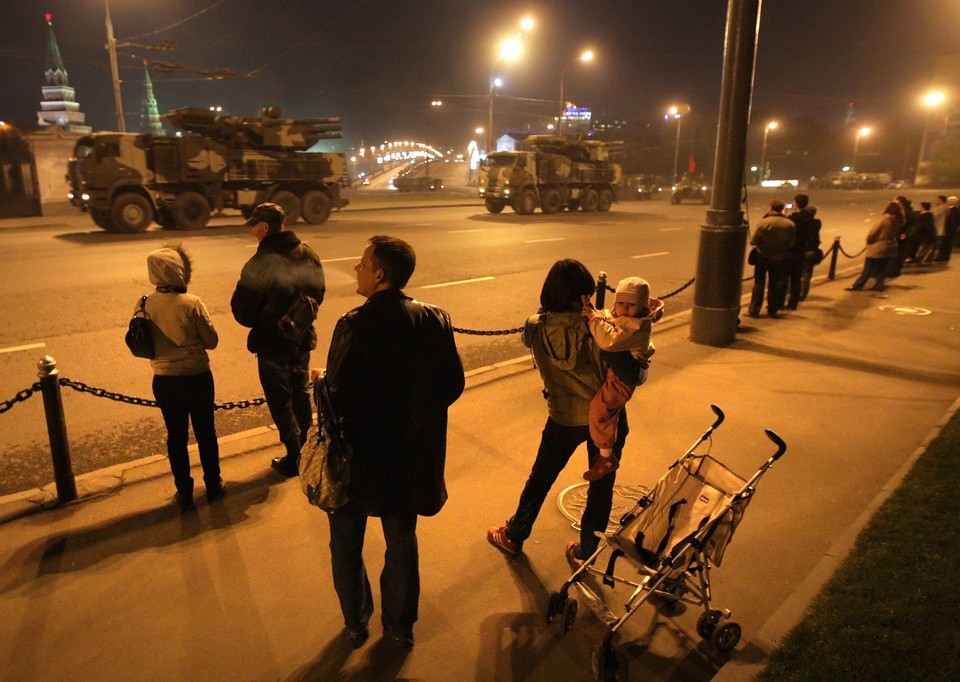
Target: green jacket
{"x": 569, "y": 364}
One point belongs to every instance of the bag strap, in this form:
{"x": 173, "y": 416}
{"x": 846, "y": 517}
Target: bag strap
{"x": 142, "y": 307}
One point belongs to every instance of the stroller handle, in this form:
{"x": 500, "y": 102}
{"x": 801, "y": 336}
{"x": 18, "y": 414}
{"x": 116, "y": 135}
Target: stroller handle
{"x": 720, "y": 417}
{"x": 781, "y": 446}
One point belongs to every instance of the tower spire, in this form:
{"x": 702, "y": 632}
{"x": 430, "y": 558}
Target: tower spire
{"x": 149, "y": 113}
{"x": 58, "y": 107}
{"x": 55, "y": 72}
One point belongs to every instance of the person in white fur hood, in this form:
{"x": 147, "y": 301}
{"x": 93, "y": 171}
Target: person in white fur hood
{"x": 182, "y": 382}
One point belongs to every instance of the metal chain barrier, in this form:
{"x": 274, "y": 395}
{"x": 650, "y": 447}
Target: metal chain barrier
{"x": 496, "y": 332}
{"x": 144, "y": 402}
{"x": 20, "y": 397}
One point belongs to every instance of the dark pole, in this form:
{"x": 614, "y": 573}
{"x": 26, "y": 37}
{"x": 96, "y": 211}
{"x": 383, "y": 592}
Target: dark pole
{"x": 723, "y": 239}
{"x": 57, "y": 430}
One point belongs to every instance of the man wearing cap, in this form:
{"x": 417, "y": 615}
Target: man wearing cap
{"x": 271, "y": 282}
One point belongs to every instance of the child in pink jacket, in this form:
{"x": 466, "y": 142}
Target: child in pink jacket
{"x": 623, "y": 337}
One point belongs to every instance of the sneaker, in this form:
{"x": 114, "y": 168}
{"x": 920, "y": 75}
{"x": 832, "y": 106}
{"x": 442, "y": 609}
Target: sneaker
{"x": 498, "y": 538}
{"x": 600, "y": 468}
{"x": 851, "y": 288}
{"x": 185, "y": 502}
{"x": 216, "y": 492}
{"x": 404, "y": 641}
{"x": 571, "y": 554}
{"x": 285, "y": 466}
{"x": 357, "y": 637}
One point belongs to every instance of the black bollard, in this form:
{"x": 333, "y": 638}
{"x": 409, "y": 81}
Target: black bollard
{"x": 57, "y": 430}
{"x": 833, "y": 258}
{"x": 601, "y": 290}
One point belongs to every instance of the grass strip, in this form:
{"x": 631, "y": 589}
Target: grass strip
{"x": 892, "y": 610}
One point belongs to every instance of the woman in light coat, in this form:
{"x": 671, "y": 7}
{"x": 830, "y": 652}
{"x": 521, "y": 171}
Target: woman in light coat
{"x": 881, "y": 248}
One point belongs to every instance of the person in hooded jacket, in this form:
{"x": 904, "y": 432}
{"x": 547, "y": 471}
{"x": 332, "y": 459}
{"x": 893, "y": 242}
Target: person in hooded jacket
{"x": 280, "y": 271}
{"x": 182, "y": 381}
{"x": 572, "y": 373}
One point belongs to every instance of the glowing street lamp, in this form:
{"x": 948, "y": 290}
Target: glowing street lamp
{"x": 772, "y": 125}
{"x": 677, "y": 111}
{"x": 932, "y": 100}
{"x": 435, "y": 104}
{"x": 510, "y": 49}
{"x": 586, "y": 56}
{"x": 863, "y": 132}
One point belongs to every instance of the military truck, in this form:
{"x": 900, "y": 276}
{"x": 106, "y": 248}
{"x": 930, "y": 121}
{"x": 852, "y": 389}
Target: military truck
{"x": 128, "y": 180}
{"x": 551, "y": 172}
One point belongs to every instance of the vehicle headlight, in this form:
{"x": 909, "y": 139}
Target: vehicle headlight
{"x": 506, "y": 191}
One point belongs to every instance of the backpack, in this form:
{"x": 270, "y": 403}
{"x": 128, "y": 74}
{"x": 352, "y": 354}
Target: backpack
{"x": 298, "y": 319}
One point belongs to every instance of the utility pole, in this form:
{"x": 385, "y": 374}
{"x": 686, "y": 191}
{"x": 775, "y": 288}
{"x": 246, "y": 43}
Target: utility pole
{"x": 112, "y": 50}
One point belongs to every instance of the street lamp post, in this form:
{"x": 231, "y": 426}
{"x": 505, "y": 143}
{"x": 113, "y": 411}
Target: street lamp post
{"x": 114, "y": 72}
{"x": 863, "y": 132}
{"x": 435, "y": 104}
{"x": 509, "y": 50}
{"x": 585, "y": 56}
{"x": 931, "y": 100}
{"x": 763, "y": 155}
{"x": 677, "y": 112}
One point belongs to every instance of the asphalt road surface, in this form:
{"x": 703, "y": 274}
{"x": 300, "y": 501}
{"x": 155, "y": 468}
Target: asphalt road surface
{"x": 67, "y": 290}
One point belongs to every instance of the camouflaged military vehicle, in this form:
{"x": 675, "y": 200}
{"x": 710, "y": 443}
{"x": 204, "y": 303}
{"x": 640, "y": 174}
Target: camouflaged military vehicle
{"x": 128, "y": 180}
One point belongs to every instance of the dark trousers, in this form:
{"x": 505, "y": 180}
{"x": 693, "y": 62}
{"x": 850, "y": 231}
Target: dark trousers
{"x": 875, "y": 267}
{"x": 799, "y": 272}
{"x": 399, "y": 581}
{"x": 557, "y": 444}
{"x": 769, "y": 273}
{"x": 286, "y": 386}
{"x": 184, "y": 400}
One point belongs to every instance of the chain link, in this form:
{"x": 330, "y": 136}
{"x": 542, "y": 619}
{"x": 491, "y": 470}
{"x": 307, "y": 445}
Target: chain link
{"x": 496, "y": 332}
{"x": 20, "y": 397}
{"x": 143, "y": 402}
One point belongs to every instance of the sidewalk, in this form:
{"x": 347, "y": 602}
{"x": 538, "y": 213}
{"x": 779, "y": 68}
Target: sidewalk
{"x": 122, "y": 586}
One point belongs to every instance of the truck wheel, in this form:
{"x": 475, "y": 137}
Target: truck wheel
{"x": 290, "y": 204}
{"x": 604, "y": 200}
{"x": 493, "y": 205}
{"x": 589, "y": 201}
{"x": 316, "y": 207}
{"x": 191, "y": 211}
{"x": 101, "y": 218}
{"x": 526, "y": 203}
{"x": 130, "y": 213}
{"x": 550, "y": 201}
{"x": 165, "y": 218}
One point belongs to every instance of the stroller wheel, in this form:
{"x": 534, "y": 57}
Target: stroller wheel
{"x": 569, "y": 614}
{"x": 554, "y": 606}
{"x": 707, "y": 622}
{"x": 725, "y": 637}
{"x": 609, "y": 663}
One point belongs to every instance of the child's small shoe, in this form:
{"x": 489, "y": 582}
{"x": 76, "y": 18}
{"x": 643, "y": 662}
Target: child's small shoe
{"x": 600, "y": 468}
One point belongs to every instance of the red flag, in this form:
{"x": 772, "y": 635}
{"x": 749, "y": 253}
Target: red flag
{"x": 692, "y": 164}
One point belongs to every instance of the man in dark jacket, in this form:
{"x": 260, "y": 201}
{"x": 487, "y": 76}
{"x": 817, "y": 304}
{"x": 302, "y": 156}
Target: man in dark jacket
{"x": 278, "y": 294}
{"x": 774, "y": 237}
{"x": 804, "y": 252}
{"x": 393, "y": 370}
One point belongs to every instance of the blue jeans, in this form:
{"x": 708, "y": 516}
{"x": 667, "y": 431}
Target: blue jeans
{"x": 286, "y": 386}
{"x": 399, "y": 581}
{"x": 557, "y": 444}
{"x": 182, "y": 400}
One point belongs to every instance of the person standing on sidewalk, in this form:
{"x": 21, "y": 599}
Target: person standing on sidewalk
{"x": 283, "y": 274}
{"x": 882, "y": 251}
{"x": 773, "y": 238}
{"x": 182, "y": 382}
{"x": 803, "y": 253}
{"x": 950, "y": 225}
{"x": 571, "y": 370}
{"x": 392, "y": 370}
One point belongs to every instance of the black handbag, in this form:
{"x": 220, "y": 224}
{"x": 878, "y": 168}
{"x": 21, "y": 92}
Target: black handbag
{"x": 325, "y": 457}
{"x": 139, "y": 338}
{"x": 752, "y": 256}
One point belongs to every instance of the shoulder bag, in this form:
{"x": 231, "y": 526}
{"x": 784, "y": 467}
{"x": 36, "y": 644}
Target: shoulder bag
{"x": 139, "y": 337}
{"x": 325, "y": 457}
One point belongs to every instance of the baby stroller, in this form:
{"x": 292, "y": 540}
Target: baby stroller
{"x": 671, "y": 537}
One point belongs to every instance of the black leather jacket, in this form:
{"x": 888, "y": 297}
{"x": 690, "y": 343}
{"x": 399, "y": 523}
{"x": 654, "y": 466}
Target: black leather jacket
{"x": 393, "y": 370}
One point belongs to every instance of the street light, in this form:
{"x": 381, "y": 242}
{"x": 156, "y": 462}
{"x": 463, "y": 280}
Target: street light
{"x": 677, "y": 111}
{"x": 931, "y": 101}
{"x": 435, "y": 104}
{"x": 509, "y": 49}
{"x": 586, "y": 56}
{"x": 114, "y": 72}
{"x": 772, "y": 125}
{"x": 863, "y": 132}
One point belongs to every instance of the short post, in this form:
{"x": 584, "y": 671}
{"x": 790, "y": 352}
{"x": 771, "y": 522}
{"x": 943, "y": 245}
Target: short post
{"x": 601, "y": 290}
{"x": 57, "y": 429}
{"x": 833, "y": 258}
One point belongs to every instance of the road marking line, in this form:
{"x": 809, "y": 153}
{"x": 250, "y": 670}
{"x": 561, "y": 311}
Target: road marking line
{"x": 462, "y": 281}
{"x": 651, "y": 255}
{"x": 671, "y": 229}
{"x": 15, "y": 349}
{"x": 337, "y": 260}
{"x": 538, "y": 241}
{"x": 482, "y": 229}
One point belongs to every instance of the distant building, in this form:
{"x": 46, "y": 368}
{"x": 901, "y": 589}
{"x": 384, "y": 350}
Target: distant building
{"x": 575, "y": 120}
{"x": 59, "y": 106}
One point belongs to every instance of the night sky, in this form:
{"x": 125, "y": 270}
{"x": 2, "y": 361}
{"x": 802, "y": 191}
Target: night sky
{"x": 378, "y": 64}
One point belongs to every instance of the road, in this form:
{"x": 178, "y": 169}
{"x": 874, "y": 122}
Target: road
{"x": 67, "y": 290}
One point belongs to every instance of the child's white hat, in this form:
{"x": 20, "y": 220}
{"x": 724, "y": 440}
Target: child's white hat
{"x": 634, "y": 289}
